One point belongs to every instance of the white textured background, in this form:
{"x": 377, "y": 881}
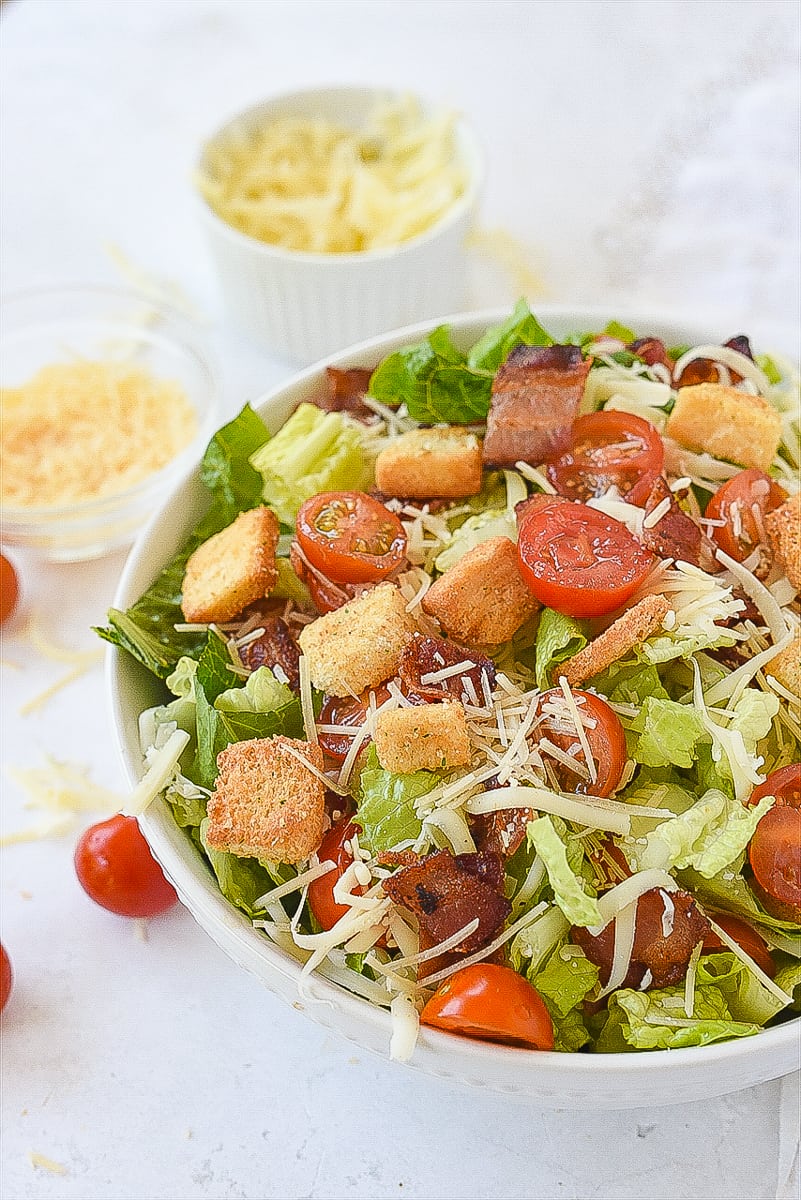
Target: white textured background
{"x": 642, "y": 151}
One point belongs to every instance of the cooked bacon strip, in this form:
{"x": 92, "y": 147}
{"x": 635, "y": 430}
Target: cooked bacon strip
{"x": 501, "y": 832}
{"x": 426, "y": 655}
{"x": 326, "y": 594}
{"x": 652, "y": 351}
{"x": 446, "y": 893}
{"x": 535, "y": 399}
{"x": 346, "y": 391}
{"x": 675, "y": 535}
{"x": 704, "y": 370}
{"x": 275, "y": 647}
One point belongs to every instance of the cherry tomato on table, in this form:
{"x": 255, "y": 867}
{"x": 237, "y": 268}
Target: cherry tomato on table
{"x": 116, "y": 869}
{"x": 491, "y": 1003}
{"x": 784, "y": 784}
{"x": 742, "y": 503}
{"x": 6, "y": 977}
{"x": 774, "y": 853}
{"x": 608, "y": 448}
{"x": 579, "y": 561}
{"x": 321, "y": 891}
{"x": 350, "y": 536}
{"x": 746, "y": 938}
{"x": 9, "y": 589}
{"x": 604, "y": 732}
{"x": 346, "y": 710}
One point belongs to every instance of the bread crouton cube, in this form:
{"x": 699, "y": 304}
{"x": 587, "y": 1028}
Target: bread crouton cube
{"x": 232, "y": 568}
{"x": 266, "y": 803}
{"x": 626, "y": 633}
{"x": 431, "y": 462}
{"x": 359, "y": 645}
{"x": 424, "y": 737}
{"x": 481, "y": 599}
{"x": 783, "y": 527}
{"x": 727, "y": 423}
{"x": 786, "y": 666}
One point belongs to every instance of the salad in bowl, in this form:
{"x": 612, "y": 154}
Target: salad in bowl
{"x": 475, "y": 687}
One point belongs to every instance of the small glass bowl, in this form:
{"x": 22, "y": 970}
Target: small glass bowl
{"x": 40, "y": 327}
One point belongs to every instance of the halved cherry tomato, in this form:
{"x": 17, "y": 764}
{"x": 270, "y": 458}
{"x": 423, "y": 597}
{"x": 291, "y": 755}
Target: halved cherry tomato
{"x": 491, "y": 1003}
{"x": 346, "y": 710}
{"x": 607, "y": 448}
{"x": 578, "y": 560}
{"x": 321, "y": 891}
{"x": 116, "y": 869}
{"x": 742, "y": 502}
{"x": 784, "y": 784}
{"x": 605, "y": 735}
{"x": 9, "y": 588}
{"x": 746, "y": 938}
{"x": 6, "y": 977}
{"x": 350, "y": 536}
{"x": 774, "y": 853}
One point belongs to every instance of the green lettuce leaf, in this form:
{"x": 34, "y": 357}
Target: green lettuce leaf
{"x": 474, "y": 531}
{"x": 521, "y": 328}
{"x": 565, "y": 980}
{"x": 313, "y": 452}
{"x": 788, "y": 978}
{"x": 645, "y": 1020}
{"x": 631, "y": 683}
{"x": 728, "y": 891}
{"x": 570, "y": 1032}
{"x": 181, "y": 681}
{"x": 385, "y": 803}
{"x": 534, "y": 942}
{"x": 747, "y": 998}
{"x": 558, "y": 638}
{"x": 241, "y": 880}
{"x": 707, "y": 837}
{"x": 668, "y": 733}
{"x": 433, "y": 379}
{"x": 568, "y": 887}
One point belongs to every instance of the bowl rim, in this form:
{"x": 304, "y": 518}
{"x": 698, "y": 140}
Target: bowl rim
{"x": 472, "y": 154}
{"x": 437, "y": 1053}
{"x": 193, "y": 347}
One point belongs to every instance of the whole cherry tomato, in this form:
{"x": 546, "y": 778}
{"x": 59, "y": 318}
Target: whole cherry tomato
{"x": 350, "y": 536}
{"x": 9, "y": 589}
{"x": 321, "y": 891}
{"x": 607, "y": 448}
{"x": 604, "y": 732}
{"x": 346, "y": 710}
{"x": 491, "y": 1003}
{"x": 774, "y": 853}
{"x": 6, "y": 977}
{"x": 579, "y": 561}
{"x": 784, "y": 784}
{"x": 746, "y": 938}
{"x": 116, "y": 869}
{"x": 742, "y": 502}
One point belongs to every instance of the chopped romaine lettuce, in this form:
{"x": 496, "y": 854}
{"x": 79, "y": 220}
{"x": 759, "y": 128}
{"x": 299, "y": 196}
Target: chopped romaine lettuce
{"x": 568, "y": 887}
{"x": 657, "y": 1021}
{"x": 565, "y": 980}
{"x": 433, "y": 379}
{"x": 535, "y": 942}
{"x": 707, "y": 837}
{"x": 521, "y": 328}
{"x": 558, "y": 638}
{"x": 667, "y": 733}
{"x": 241, "y": 880}
{"x": 181, "y": 681}
{"x": 385, "y": 803}
{"x": 474, "y": 531}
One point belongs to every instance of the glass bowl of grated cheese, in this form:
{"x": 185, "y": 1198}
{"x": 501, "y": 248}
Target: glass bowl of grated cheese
{"x": 106, "y": 397}
{"x": 334, "y": 214}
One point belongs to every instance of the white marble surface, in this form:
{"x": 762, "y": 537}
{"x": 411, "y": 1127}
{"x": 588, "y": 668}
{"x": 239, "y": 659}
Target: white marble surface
{"x": 643, "y": 152}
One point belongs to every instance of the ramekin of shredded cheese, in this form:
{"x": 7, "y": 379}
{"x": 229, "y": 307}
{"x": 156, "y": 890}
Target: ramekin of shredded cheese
{"x": 335, "y": 214}
{"x": 105, "y": 397}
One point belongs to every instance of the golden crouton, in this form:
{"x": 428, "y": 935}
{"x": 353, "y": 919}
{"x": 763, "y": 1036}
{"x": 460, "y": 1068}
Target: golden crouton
{"x": 624, "y": 634}
{"x": 266, "y": 803}
{"x": 359, "y": 645}
{"x": 727, "y": 423}
{"x": 783, "y": 526}
{"x": 431, "y": 462}
{"x": 786, "y": 667}
{"x": 232, "y": 569}
{"x": 424, "y": 737}
{"x": 481, "y": 599}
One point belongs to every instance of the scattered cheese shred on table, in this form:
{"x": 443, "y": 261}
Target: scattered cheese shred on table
{"x": 62, "y": 791}
{"x": 46, "y": 1164}
{"x": 82, "y": 430}
{"x": 81, "y": 660}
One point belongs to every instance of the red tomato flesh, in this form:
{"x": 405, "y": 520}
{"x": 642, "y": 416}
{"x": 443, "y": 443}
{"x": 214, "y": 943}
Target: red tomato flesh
{"x": 116, "y": 869}
{"x": 6, "y": 977}
{"x": 321, "y": 891}
{"x": 774, "y": 853}
{"x": 608, "y": 449}
{"x": 746, "y": 938}
{"x": 350, "y": 536}
{"x": 491, "y": 1003}
{"x": 784, "y": 784}
{"x": 742, "y": 503}
{"x": 579, "y": 561}
{"x": 9, "y": 589}
{"x": 605, "y": 735}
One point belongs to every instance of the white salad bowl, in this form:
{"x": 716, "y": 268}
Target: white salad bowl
{"x": 578, "y": 1081}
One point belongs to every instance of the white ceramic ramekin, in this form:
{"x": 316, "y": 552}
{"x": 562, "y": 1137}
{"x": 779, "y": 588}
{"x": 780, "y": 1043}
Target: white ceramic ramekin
{"x": 302, "y": 306}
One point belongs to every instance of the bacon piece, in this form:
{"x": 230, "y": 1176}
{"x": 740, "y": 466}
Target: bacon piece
{"x": 501, "y": 832}
{"x": 425, "y": 655}
{"x": 535, "y": 399}
{"x": 446, "y": 893}
{"x": 666, "y": 932}
{"x": 675, "y": 535}
{"x": 704, "y": 370}
{"x": 275, "y": 647}
{"x": 652, "y": 351}
{"x": 346, "y": 392}
{"x": 326, "y": 594}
